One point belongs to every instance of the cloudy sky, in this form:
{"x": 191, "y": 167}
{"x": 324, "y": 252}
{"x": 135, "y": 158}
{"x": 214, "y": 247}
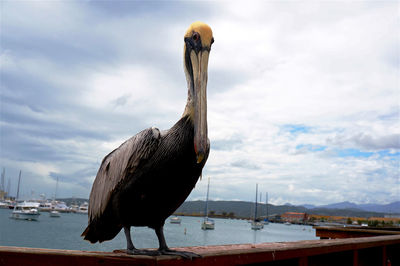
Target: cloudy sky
{"x": 303, "y": 98}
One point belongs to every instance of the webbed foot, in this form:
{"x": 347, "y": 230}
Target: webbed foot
{"x": 145, "y": 252}
{"x": 183, "y": 254}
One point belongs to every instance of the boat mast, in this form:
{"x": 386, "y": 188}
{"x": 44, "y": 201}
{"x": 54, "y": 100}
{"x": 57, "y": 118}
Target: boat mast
{"x": 255, "y": 211}
{"x": 3, "y": 174}
{"x": 266, "y": 203}
{"x": 19, "y": 181}
{"x": 206, "y": 210}
{"x": 55, "y": 194}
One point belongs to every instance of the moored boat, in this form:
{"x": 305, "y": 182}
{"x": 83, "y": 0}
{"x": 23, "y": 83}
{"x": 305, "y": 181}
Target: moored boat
{"x": 7, "y": 204}
{"x": 207, "y": 223}
{"x": 266, "y": 221}
{"x": 26, "y": 211}
{"x": 256, "y": 224}
{"x": 83, "y": 209}
{"x": 54, "y": 214}
{"x": 175, "y": 220}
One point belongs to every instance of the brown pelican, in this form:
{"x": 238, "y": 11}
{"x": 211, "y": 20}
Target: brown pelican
{"x": 143, "y": 181}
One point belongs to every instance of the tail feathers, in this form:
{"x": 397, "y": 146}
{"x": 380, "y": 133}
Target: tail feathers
{"x": 88, "y": 235}
{"x": 98, "y": 231}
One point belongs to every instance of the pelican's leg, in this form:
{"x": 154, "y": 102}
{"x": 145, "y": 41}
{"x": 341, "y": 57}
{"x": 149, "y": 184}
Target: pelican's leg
{"x": 129, "y": 244}
{"x": 164, "y": 250}
{"x": 130, "y": 248}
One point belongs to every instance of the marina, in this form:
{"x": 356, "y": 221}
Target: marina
{"x": 64, "y": 233}
{"x": 49, "y": 242}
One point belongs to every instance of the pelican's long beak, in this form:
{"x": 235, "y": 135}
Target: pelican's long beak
{"x": 200, "y": 67}
{"x": 198, "y": 40}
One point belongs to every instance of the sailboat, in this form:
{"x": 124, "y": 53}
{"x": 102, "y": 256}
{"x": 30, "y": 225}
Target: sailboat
{"x": 266, "y": 221}
{"x": 54, "y": 213}
{"x": 256, "y": 224}
{"x": 175, "y": 220}
{"x": 207, "y": 223}
{"x": 25, "y": 210}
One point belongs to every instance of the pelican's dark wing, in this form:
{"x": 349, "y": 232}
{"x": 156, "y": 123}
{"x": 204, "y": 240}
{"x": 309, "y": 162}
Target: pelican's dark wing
{"x": 118, "y": 165}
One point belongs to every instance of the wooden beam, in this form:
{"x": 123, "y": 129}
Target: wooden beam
{"x": 292, "y": 253}
{"x": 331, "y": 232}
{"x": 355, "y": 257}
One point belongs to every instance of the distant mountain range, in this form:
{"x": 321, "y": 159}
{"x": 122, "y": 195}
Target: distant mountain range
{"x": 393, "y": 207}
{"x": 246, "y": 209}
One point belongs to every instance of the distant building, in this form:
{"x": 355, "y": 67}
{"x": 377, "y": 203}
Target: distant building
{"x": 393, "y": 215}
{"x": 294, "y": 217}
{"x": 275, "y": 218}
{"x": 3, "y": 195}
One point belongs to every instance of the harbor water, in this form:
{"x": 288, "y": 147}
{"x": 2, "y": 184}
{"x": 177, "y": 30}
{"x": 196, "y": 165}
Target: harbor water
{"x": 64, "y": 233}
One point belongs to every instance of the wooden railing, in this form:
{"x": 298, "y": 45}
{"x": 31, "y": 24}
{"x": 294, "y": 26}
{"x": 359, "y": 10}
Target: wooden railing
{"x": 378, "y": 250}
{"x": 332, "y": 232}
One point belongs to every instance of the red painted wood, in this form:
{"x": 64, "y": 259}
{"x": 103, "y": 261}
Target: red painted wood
{"x": 291, "y": 253}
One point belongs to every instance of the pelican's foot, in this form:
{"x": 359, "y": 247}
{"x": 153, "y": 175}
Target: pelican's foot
{"x": 183, "y": 254}
{"x": 145, "y": 252}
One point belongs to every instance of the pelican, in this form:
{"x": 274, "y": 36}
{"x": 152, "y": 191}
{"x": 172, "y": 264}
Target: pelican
{"x": 143, "y": 181}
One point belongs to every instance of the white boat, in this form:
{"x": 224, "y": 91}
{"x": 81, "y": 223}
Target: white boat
{"x": 6, "y": 204}
{"x": 287, "y": 223}
{"x": 54, "y": 214}
{"x": 26, "y": 211}
{"x": 175, "y": 220}
{"x": 74, "y": 208}
{"x": 256, "y": 224}
{"x": 56, "y": 206}
{"x": 207, "y": 224}
{"x": 60, "y": 206}
{"x": 83, "y": 209}
{"x": 45, "y": 206}
{"x": 266, "y": 221}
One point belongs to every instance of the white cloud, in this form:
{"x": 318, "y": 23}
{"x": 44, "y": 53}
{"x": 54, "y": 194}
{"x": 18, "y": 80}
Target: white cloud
{"x": 275, "y": 67}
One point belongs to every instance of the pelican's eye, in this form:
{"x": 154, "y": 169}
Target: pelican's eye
{"x": 196, "y": 36}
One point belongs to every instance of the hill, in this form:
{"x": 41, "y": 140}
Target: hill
{"x": 244, "y": 209}
{"x": 393, "y": 207}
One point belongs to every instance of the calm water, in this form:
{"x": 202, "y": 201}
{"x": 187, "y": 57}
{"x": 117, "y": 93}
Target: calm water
{"x": 64, "y": 233}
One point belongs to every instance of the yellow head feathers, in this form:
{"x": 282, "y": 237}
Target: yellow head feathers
{"x": 203, "y": 30}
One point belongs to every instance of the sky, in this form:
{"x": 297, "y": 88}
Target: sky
{"x": 303, "y": 97}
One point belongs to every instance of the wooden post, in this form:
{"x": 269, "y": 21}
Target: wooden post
{"x": 303, "y": 261}
{"x": 355, "y": 257}
{"x": 384, "y": 256}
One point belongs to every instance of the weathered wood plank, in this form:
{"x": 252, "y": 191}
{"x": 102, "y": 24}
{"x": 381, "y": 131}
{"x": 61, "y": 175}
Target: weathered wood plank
{"x": 292, "y": 253}
{"x": 345, "y": 232}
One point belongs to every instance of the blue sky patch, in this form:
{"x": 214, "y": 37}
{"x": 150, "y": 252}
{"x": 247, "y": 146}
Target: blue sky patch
{"x": 296, "y": 128}
{"x": 353, "y": 153}
{"x": 310, "y": 147}
{"x": 392, "y": 155}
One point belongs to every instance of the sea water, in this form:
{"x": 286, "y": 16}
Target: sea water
{"x": 64, "y": 233}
